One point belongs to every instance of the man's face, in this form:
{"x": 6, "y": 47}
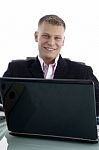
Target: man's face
{"x": 50, "y": 39}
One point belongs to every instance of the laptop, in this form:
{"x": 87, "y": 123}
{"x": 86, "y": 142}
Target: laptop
{"x": 60, "y": 108}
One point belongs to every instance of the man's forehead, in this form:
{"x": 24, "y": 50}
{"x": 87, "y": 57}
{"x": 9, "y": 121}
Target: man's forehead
{"x": 51, "y": 30}
{"x": 49, "y": 26}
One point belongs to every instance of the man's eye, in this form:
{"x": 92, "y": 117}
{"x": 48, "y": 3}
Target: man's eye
{"x": 58, "y": 38}
{"x": 45, "y": 36}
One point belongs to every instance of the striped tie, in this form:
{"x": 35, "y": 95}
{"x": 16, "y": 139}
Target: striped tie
{"x": 49, "y": 71}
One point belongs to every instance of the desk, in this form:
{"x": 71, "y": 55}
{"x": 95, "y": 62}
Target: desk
{"x": 9, "y": 142}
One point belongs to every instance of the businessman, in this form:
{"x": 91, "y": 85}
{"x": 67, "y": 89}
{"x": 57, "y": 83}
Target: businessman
{"x": 49, "y": 64}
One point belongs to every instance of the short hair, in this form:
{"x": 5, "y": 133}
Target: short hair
{"x": 52, "y": 19}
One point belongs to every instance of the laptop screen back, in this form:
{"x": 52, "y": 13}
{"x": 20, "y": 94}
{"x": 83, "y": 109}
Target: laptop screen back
{"x": 60, "y": 108}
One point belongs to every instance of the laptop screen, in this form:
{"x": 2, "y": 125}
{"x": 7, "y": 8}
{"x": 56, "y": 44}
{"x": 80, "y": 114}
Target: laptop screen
{"x": 60, "y": 108}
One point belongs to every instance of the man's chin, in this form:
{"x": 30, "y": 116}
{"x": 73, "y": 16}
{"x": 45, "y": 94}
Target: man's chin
{"x": 50, "y": 58}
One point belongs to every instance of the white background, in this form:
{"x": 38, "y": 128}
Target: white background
{"x": 18, "y": 22}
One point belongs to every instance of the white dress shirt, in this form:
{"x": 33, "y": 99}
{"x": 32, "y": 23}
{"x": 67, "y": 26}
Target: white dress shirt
{"x": 48, "y": 70}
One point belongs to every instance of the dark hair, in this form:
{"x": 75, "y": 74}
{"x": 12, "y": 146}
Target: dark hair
{"x": 52, "y": 19}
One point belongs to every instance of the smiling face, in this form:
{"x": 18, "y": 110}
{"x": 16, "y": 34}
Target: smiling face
{"x": 50, "y": 40}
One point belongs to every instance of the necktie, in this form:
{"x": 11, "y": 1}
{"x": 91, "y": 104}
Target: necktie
{"x": 50, "y": 72}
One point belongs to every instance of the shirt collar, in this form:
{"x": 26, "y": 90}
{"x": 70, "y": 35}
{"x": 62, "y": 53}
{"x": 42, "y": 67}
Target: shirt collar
{"x": 43, "y": 63}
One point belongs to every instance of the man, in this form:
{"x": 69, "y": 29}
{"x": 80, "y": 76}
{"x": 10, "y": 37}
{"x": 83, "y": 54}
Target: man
{"x": 49, "y": 64}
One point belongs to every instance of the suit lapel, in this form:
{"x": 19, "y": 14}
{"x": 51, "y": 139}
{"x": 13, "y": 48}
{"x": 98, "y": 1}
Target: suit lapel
{"x": 35, "y": 69}
{"x": 61, "y": 69}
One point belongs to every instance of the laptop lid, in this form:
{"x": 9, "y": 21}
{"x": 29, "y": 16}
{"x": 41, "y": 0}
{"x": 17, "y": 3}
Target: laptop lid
{"x": 56, "y": 108}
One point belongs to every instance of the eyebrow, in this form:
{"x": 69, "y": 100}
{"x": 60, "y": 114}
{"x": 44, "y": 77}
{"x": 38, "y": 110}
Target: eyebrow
{"x": 49, "y": 34}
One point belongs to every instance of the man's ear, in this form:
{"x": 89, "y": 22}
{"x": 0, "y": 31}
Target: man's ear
{"x": 36, "y": 36}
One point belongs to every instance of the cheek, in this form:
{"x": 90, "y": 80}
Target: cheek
{"x": 40, "y": 45}
{"x": 42, "y": 42}
{"x": 60, "y": 44}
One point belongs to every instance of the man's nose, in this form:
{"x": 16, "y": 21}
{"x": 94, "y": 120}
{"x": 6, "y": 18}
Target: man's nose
{"x": 51, "y": 41}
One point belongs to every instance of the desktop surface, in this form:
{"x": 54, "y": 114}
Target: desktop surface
{"x": 9, "y": 142}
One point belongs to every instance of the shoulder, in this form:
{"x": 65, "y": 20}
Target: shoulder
{"x": 22, "y": 62}
{"x": 76, "y": 65}
{"x": 19, "y": 68}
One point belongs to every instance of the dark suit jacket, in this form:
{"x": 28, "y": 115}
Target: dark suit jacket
{"x": 65, "y": 69}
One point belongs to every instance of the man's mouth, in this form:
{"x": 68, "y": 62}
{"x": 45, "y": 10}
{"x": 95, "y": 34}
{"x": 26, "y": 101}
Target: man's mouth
{"x": 49, "y": 49}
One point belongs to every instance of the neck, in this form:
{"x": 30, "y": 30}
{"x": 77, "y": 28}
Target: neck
{"x": 48, "y": 61}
